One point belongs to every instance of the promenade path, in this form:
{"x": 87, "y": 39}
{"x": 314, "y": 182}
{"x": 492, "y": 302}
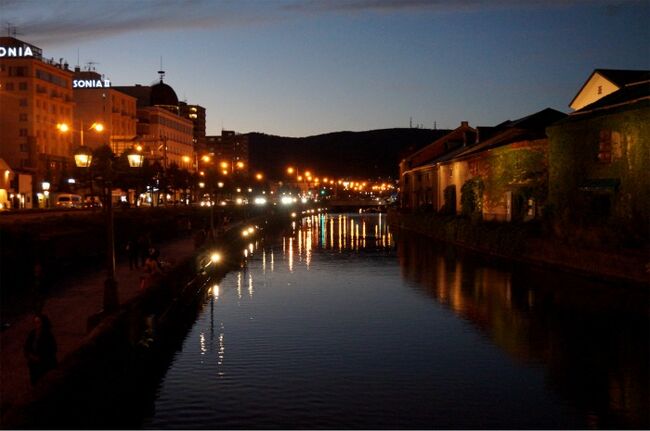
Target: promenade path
{"x": 72, "y": 302}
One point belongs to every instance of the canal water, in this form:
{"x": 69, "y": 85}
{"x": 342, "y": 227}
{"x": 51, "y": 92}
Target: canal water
{"x": 341, "y": 323}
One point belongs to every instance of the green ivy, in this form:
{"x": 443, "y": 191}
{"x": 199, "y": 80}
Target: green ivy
{"x": 573, "y": 159}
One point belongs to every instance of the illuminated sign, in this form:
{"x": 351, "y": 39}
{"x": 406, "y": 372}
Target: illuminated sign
{"x": 91, "y": 83}
{"x": 15, "y": 51}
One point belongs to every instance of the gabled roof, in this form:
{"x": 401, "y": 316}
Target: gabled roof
{"x": 461, "y": 136}
{"x": 623, "y": 77}
{"x": 526, "y": 128}
{"x": 629, "y": 94}
{"x": 618, "y": 77}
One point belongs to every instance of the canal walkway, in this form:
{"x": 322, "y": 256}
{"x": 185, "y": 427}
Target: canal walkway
{"x": 73, "y": 301}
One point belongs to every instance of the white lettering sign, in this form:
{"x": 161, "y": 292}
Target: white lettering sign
{"x": 91, "y": 83}
{"x": 15, "y": 51}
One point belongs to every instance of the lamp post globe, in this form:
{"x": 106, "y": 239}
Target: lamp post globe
{"x": 83, "y": 157}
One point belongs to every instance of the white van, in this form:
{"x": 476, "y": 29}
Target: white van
{"x": 68, "y": 200}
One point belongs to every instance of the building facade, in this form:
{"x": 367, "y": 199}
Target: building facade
{"x": 495, "y": 173}
{"x": 35, "y": 96}
{"x": 599, "y": 157}
{"x": 164, "y": 134}
{"x": 196, "y": 114}
{"x": 98, "y": 103}
{"x": 230, "y": 150}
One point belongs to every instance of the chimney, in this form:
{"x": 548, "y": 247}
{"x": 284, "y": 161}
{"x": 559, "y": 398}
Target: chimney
{"x": 464, "y": 124}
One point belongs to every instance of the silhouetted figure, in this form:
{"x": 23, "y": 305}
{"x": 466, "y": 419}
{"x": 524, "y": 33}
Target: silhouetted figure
{"x": 132, "y": 252}
{"x": 40, "y": 348}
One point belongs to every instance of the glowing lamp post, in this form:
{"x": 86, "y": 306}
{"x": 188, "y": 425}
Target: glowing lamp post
{"x": 46, "y": 192}
{"x": 83, "y": 159}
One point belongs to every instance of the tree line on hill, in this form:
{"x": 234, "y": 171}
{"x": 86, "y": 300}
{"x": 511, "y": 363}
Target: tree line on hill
{"x": 369, "y": 154}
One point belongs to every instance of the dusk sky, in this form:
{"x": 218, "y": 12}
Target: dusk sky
{"x": 304, "y": 67}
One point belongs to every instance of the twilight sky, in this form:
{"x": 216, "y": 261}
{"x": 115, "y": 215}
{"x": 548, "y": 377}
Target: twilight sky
{"x": 303, "y": 67}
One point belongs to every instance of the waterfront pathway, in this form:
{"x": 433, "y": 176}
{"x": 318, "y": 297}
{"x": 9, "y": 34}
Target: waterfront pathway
{"x": 72, "y": 302}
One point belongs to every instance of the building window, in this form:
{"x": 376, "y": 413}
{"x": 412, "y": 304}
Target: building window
{"x": 22, "y": 86}
{"x": 22, "y": 117}
{"x": 22, "y": 132}
{"x": 605, "y": 147}
{"x": 24, "y": 148}
{"x": 22, "y": 102}
{"x": 18, "y": 71}
{"x": 9, "y": 86}
{"x": 600, "y": 89}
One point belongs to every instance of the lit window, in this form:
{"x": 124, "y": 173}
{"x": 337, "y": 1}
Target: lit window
{"x": 605, "y": 147}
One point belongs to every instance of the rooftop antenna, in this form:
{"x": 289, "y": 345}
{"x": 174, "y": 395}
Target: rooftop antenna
{"x": 12, "y": 30}
{"x": 90, "y": 65}
{"x": 410, "y": 122}
{"x": 77, "y": 57}
{"x": 161, "y": 72}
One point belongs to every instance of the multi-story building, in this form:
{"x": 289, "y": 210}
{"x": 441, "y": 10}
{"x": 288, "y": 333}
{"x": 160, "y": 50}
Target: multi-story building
{"x": 164, "y": 134}
{"x": 98, "y": 103}
{"x": 599, "y": 157}
{"x": 35, "y": 95}
{"x": 230, "y": 151}
{"x": 196, "y": 114}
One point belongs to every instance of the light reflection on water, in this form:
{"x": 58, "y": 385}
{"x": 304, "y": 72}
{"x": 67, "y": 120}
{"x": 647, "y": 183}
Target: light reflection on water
{"x": 335, "y": 327}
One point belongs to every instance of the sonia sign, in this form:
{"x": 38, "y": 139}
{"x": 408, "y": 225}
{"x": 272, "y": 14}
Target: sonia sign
{"x": 91, "y": 83}
{"x": 15, "y": 51}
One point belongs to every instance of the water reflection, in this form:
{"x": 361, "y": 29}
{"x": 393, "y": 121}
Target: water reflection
{"x": 592, "y": 338}
{"x": 424, "y": 337}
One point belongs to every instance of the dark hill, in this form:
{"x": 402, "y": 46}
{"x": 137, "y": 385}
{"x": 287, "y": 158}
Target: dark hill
{"x": 371, "y": 154}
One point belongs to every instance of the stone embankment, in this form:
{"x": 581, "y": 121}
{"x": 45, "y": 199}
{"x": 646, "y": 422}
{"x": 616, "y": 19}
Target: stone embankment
{"x": 106, "y": 356}
{"x": 516, "y": 242}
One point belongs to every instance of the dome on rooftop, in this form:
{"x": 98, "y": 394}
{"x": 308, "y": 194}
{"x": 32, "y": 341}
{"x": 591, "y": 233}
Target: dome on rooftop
{"x": 163, "y": 94}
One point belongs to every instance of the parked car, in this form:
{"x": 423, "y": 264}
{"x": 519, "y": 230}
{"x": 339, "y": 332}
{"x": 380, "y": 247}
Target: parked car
{"x": 68, "y": 200}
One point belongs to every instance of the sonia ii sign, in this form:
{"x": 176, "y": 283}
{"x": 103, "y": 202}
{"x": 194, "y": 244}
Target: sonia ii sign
{"x": 91, "y": 83}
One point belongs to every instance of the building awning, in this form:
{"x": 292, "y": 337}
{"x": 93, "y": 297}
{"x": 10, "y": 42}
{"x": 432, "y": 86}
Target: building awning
{"x": 600, "y": 185}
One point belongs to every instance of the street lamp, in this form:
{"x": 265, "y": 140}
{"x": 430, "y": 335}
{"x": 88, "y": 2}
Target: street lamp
{"x": 97, "y": 127}
{"x": 83, "y": 159}
{"x": 46, "y": 192}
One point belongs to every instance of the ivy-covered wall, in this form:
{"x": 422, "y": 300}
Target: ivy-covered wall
{"x": 520, "y": 168}
{"x": 602, "y": 156}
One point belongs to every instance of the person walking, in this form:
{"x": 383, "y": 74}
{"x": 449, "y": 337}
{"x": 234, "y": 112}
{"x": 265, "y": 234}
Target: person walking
{"x": 40, "y": 348}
